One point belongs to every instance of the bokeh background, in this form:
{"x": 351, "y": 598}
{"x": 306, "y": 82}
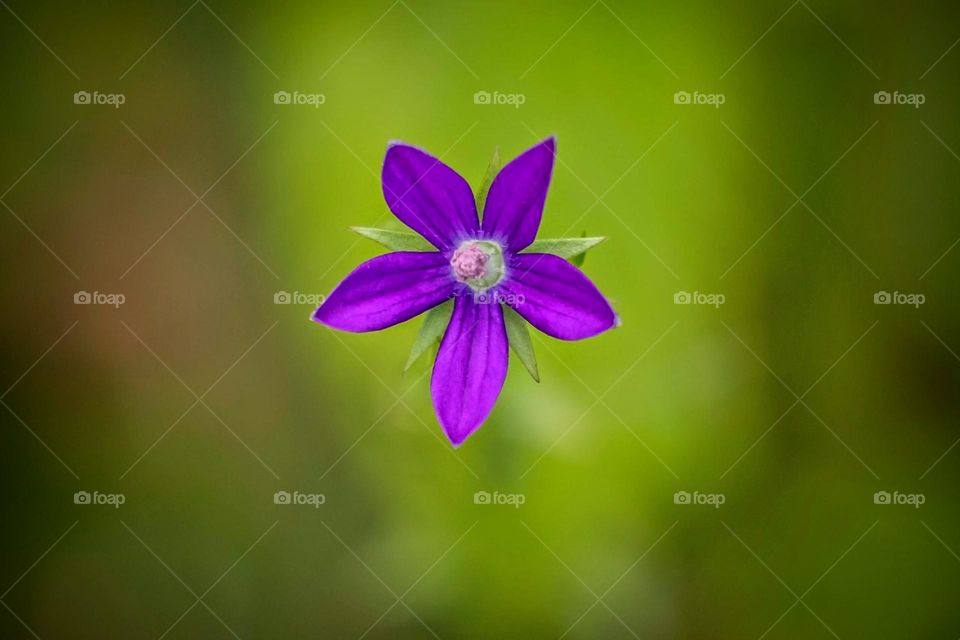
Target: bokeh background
{"x": 200, "y": 198}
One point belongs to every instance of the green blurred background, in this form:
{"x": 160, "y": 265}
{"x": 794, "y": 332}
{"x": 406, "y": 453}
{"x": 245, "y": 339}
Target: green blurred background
{"x": 199, "y": 398}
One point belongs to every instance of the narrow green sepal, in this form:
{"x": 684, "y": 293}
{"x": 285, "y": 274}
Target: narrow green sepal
{"x": 435, "y": 323}
{"x": 492, "y": 169}
{"x": 396, "y": 240}
{"x": 578, "y": 259}
{"x": 573, "y": 249}
{"x": 519, "y": 337}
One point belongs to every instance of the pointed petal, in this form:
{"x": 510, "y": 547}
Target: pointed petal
{"x": 515, "y": 201}
{"x": 470, "y": 368}
{"x": 556, "y": 298}
{"x": 387, "y": 290}
{"x": 428, "y": 196}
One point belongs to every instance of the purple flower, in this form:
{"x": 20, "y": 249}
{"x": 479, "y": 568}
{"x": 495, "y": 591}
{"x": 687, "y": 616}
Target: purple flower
{"x": 479, "y": 265}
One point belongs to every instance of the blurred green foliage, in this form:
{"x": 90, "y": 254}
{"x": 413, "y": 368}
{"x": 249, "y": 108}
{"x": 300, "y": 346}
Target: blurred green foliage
{"x": 797, "y": 399}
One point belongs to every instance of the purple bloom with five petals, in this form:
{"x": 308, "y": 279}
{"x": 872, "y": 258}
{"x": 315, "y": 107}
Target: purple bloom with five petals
{"x": 479, "y": 265}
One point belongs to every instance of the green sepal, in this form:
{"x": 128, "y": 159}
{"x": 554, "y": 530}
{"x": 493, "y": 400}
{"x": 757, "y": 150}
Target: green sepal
{"x": 492, "y": 169}
{"x": 396, "y": 240}
{"x": 519, "y": 337}
{"x": 435, "y": 322}
{"x": 577, "y": 260}
{"x": 565, "y": 247}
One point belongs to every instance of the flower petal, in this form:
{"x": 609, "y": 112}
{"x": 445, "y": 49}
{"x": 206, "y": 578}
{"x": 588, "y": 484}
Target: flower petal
{"x": 387, "y": 290}
{"x": 470, "y": 368}
{"x": 428, "y": 196}
{"x": 556, "y": 298}
{"x": 515, "y": 201}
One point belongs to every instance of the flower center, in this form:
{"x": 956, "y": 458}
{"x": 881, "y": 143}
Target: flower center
{"x": 478, "y": 264}
{"x": 469, "y": 262}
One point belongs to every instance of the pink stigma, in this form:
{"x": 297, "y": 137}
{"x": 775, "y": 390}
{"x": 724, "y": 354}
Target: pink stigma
{"x": 469, "y": 262}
